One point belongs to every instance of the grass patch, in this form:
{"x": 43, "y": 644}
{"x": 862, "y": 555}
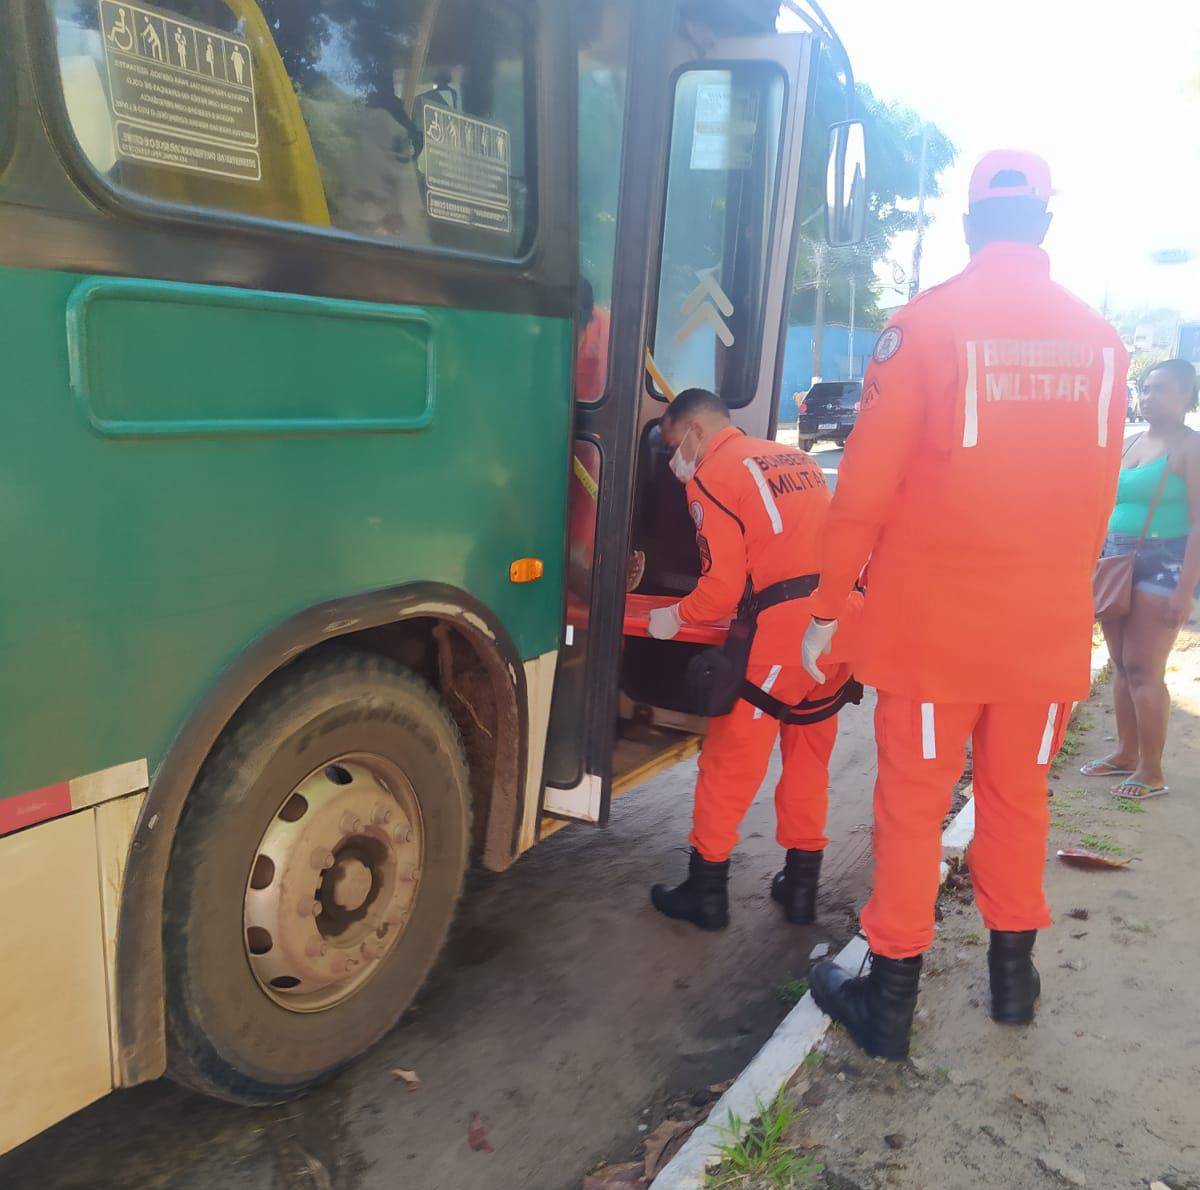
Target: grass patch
{"x": 1129, "y": 805}
{"x": 763, "y": 1156}
{"x": 972, "y": 938}
{"x": 1104, "y": 844}
{"x": 792, "y": 991}
{"x": 812, "y": 1060}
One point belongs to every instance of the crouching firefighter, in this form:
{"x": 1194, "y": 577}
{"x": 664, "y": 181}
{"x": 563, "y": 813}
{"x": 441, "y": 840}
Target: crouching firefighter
{"x": 759, "y": 508}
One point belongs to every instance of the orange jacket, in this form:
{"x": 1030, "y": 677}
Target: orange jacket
{"x": 979, "y": 480}
{"x": 758, "y": 507}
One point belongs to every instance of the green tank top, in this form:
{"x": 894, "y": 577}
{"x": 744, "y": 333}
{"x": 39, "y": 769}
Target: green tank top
{"x": 1135, "y": 490}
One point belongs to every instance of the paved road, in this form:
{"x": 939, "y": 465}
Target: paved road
{"x": 565, "y": 1012}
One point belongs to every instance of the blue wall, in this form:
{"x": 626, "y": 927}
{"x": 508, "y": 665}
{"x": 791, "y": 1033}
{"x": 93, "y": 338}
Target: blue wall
{"x": 835, "y": 360}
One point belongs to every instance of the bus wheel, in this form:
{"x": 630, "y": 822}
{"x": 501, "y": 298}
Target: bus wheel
{"x": 314, "y": 877}
{"x": 806, "y": 444}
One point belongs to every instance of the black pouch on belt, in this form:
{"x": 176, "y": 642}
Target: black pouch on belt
{"x": 715, "y": 679}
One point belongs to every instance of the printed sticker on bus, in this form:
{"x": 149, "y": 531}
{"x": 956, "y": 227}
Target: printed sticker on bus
{"x": 182, "y": 94}
{"x": 467, "y": 164}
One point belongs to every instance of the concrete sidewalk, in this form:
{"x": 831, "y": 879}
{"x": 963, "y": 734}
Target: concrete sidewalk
{"x": 1104, "y": 1089}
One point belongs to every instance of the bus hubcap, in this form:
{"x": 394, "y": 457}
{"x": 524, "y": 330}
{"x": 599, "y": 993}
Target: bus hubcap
{"x": 334, "y": 882}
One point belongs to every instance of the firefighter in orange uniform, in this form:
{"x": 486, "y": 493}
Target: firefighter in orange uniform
{"x": 978, "y": 480}
{"x": 758, "y": 507}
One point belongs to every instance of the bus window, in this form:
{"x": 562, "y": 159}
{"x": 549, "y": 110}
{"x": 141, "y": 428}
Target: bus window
{"x": 725, "y": 141}
{"x": 603, "y": 51}
{"x": 405, "y": 121}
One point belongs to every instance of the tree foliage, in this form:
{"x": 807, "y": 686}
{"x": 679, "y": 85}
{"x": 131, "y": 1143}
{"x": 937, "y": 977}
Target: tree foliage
{"x": 894, "y": 132}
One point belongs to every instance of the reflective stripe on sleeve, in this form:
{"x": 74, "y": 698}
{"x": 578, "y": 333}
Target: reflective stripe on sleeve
{"x": 764, "y": 490}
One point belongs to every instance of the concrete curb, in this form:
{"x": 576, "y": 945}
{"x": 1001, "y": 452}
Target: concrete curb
{"x": 797, "y": 1036}
{"x": 771, "y": 1068}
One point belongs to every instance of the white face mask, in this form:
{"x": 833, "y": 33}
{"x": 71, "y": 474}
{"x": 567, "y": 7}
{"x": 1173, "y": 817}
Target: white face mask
{"x": 683, "y": 469}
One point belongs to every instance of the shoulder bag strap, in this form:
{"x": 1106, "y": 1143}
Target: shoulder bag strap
{"x": 1158, "y": 491}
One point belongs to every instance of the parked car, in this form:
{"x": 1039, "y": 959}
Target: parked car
{"x": 828, "y": 412}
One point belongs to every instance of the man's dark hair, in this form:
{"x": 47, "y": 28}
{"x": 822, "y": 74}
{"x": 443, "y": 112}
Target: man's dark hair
{"x": 1011, "y": 220}
{"x": 692, "y": 401}
{"x": 1183, "y": 373}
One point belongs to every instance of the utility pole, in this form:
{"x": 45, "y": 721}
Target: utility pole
{"x": 818, "y": 339}
{"x": 914, "y": 285}
{"x": 853, "y": 301}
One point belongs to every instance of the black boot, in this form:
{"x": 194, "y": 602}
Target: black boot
{"x": 1016, "y": 984}
{"x": 795, "y": 888}
{"x": 701, "y": 899}
{"x": 877, "y": 1008}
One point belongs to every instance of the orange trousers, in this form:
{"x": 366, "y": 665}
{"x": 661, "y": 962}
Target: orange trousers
{"x": 734, "y": 759}
{"x": 922, "y": 751}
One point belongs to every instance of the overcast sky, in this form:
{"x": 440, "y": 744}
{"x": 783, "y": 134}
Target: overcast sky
{"x": 1109, "y": 95}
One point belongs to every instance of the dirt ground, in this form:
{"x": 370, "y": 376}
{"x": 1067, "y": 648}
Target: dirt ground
{"x": 1104, "y": 1089}
{"x": 566, "y": 1013}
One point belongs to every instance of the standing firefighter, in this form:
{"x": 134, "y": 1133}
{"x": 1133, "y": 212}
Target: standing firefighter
{"x": 758, "y": 509}
{"x": 978, "y": 481}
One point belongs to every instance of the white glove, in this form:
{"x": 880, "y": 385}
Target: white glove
{"x": 665, "y": 622}
{"x": 818, "y": 637}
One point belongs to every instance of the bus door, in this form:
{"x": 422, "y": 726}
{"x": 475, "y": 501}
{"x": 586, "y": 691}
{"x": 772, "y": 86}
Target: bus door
{"x": 718, "y": 312}
{"x": 702, "y": 260}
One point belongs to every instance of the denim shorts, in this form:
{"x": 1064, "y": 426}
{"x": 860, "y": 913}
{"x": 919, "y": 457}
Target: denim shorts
{"x": 1159, "y": 564}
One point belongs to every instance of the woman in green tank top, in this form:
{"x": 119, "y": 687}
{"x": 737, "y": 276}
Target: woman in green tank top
{"x": 1162, "y": 465}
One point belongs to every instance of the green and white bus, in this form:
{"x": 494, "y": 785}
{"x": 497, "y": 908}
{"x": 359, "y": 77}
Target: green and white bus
{"x": 330, "y": 335}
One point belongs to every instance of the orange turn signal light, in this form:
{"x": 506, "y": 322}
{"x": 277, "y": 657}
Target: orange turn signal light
{"x": 526, "y": 570}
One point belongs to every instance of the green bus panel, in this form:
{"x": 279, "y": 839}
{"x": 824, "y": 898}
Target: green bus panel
{"x": 182, "y": 468}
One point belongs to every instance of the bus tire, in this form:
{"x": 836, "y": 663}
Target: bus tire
{"x": 340, "y": 733}
{"x": 806, "y": 444}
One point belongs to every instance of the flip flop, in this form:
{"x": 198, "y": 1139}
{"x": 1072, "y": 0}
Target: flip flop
{"x": 1147, "y": 791}
{"x": 1101, "y": 768}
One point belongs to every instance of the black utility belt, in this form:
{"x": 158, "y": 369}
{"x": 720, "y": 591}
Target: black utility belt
{"x": 716, "y": 678}
{"x": 777, "y": 593}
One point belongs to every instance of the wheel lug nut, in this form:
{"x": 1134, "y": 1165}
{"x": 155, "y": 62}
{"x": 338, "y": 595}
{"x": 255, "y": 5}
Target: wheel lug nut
{"x": 371, "y": 949}
{"x": 309, "y": 908}
{"x": 403, "y": 834}
{"x": 382, "y": 815}
{"x": 350, "y": 823}
{"x": 322, "y": 859}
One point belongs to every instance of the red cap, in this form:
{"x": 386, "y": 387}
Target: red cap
{"x": 1010, "y": 173}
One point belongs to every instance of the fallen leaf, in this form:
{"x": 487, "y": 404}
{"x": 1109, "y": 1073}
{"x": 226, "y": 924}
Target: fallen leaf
{"x": 721, "y": 1088}
{"x": 1090, "y": 859}
{"x": 477, "y": 1136}
{"x": 631, "y": 1175}
{"x": 664, "y": 1142}
{"x": 409, "y": 1076}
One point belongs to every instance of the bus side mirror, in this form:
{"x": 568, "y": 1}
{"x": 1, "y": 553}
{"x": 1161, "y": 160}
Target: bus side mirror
{"x": 846, "y": 184}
